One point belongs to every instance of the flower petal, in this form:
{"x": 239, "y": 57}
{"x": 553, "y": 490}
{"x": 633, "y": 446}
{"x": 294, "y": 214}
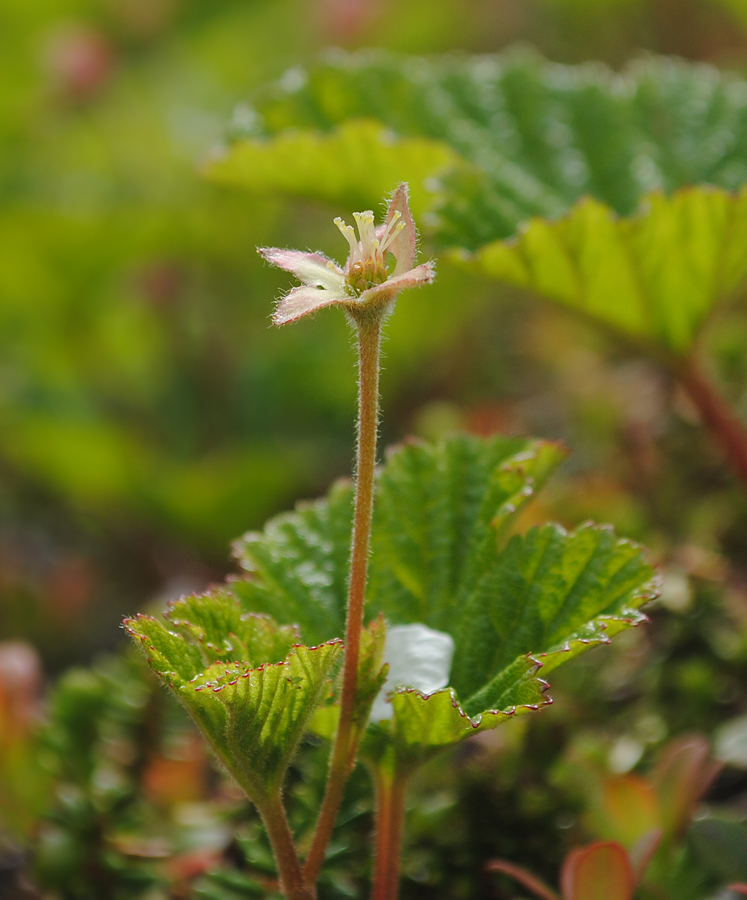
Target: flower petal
{"x": 310, "y": 268}
{"x": 304, "y": 300}
{"x": 422, "y": 274}
{"x": 404, "y": 246}
{"x": 418, "y": 657}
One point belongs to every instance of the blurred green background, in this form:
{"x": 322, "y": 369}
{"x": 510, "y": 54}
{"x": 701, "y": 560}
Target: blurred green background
{"x": 149, "y": 414}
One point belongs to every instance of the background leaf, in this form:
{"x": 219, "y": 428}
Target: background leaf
{"x": 536, "y": 136}
{"x": 654, "y": 276}
{"x": 600, "y": 870}
{"x": 529, "y": 139}
{"x": 328, "y": 166}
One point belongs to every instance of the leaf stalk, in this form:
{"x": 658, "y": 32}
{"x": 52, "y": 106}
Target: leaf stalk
{"x": 292, "y": 882}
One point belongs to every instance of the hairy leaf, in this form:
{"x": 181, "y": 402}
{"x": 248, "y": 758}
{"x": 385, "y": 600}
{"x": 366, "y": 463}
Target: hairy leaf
{"x": 245, "y": 681}
{"x": 442, "y": 558}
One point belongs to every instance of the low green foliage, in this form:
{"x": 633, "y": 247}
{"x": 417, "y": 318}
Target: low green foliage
{"x": 515, "y": 608}
{"x": 244, "y": 680}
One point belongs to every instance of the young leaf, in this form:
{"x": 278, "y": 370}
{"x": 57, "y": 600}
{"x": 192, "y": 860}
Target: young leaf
{"x": 371, "y": 677}
{"x": 602, "y": 870}
{"x": 423, "y": 725}
{"x": 245, "y": 681}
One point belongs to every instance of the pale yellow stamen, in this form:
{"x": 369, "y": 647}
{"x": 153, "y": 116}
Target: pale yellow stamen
{"x": 366, "y": 264}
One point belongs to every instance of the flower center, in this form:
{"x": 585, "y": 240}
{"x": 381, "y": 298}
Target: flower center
{"x": 366, "y": 266}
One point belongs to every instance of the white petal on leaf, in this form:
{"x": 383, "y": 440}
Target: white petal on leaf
{"x": 419, "y": 657}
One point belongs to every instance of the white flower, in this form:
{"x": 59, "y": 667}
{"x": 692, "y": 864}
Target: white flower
{"x": 366, "y": 280}
{"x": 419, "y": 657}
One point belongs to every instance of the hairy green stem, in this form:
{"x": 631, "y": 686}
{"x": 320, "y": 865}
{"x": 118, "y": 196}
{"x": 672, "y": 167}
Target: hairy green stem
{"x": 391, "y": 792}
{"x": 345, "y": 748}
{"x": 292, "y": 882}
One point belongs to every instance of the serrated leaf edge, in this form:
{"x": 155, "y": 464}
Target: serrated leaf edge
{"x": 476, "y": 721}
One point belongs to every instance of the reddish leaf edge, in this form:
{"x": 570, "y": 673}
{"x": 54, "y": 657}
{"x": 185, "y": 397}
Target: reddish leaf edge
{"x": 525, "y": 878}
{"x": 237, "y": 664}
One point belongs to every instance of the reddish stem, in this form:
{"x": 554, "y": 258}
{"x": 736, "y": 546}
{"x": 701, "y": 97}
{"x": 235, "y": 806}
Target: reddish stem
{"x": 391, "y": 793}
{"x": 717, "y": 415}
{"x": 348, "y": 736}
{"x": 292, "y": 883}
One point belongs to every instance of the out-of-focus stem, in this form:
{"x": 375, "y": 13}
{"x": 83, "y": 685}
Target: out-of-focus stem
{"x": 348, "y": 736}
{"x": 717, "y": 415}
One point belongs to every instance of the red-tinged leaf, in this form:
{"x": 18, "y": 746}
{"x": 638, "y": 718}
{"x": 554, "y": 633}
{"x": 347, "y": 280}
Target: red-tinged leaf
{"x": 682, "y": 776}
{"x": 526, "y": 879}
{"x": 601, "y": 871}
{"x": 643, "y": 851}
{"x": 630, "y": 809}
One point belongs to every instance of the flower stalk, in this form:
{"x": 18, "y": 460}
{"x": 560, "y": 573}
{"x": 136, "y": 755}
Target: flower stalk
{"x": 366, "y": 289}
{"x": 348, "y": 736}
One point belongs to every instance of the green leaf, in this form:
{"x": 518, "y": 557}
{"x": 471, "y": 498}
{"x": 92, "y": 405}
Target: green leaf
{"x": 299, "y": 565}
{"x": 721, "y": 847}
{"x": 223, "y": 631}
{"x": 328, "y": 166}
{"x": 441, "y": 557}
{"x": 422, "y": 725}
{"x": 371, "y": 677}
{"x": 532, "y": 136}
{"x": 441, "y": 512}
{"x": 552, "y": 594}
{"x": 654, "y": 276}
{"x": 245, "y": 681}
{"x": 528, "y": 140}
{"x": 435, "y": 506}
